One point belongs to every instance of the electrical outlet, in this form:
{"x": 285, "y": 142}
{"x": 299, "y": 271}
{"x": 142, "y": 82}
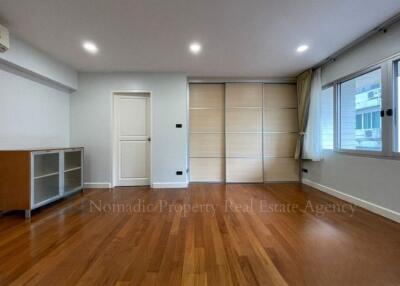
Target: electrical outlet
{"x": 179, "y": 173}
{"x": 304, "y": 170}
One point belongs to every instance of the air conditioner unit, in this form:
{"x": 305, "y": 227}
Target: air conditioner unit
{"x": 4, "y": 39}
{"x": 368, "y": 133}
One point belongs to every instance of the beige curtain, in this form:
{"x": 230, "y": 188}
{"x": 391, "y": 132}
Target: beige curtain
{"x": 303, "y": 99}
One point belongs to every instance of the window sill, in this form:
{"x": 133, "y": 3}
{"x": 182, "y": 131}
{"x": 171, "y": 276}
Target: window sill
{"x": 395, "y": 156}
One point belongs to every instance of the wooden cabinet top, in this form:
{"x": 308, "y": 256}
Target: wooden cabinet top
{"x": 41, "y": 149}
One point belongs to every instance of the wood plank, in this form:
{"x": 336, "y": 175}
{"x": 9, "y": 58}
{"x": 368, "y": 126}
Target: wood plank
{"x": 244, "y": 145}
{"x": 280, "y": 144}
{"x": 280, "y": 96}
{"x": 281, "y": 120}
{"x": 206, "y": 120}
{"x": 281, "y": 169}
{"x": 207, "y": 145}
{"x": 207, "y": 169}
{"x": 243, "y": 95}
{"x": 243, "y": 120}
{"x": 206, "y": 95}
{"x": 239, "y": 170}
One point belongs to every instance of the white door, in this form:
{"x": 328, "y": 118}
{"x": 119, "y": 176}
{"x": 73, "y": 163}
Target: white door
{"x": 132, "y": 139}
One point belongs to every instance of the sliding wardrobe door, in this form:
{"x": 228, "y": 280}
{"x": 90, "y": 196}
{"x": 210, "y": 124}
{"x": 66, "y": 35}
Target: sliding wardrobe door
{"x": 243, "y": 127}
{"x": 280, "y": 132}
{"x": 206, "y": 128}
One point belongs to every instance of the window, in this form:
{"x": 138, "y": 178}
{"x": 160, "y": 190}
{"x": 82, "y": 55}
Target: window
{"x": 367, "y": 120}
{"x": 376, "y": 120}
{"x": 359, "y": 121}
{"x": 359, "y": 101}
{"x": 366, "y": 109}
{"x": 327, "y": 118}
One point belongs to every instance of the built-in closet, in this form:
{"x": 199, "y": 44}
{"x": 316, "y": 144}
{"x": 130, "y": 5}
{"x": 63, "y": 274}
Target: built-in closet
{"x": 242, "y": 132}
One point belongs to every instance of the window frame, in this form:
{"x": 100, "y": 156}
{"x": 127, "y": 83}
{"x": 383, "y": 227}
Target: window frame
{"x": 390, "y": 125}
{"x": 327, "y": 86}
{"x": 337, "y": 135}
{"x": 394, "y": 90}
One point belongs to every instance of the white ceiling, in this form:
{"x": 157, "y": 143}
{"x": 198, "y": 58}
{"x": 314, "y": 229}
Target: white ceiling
{"x": 241, "y": 38}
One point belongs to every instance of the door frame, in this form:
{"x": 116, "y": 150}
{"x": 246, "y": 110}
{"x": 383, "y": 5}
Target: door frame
{"x": 114, "y": 149}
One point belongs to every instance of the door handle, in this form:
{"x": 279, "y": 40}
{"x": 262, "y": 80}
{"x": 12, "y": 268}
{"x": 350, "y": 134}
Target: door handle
{"x": 149, "y": 139}
{"x": 389, "y": 112}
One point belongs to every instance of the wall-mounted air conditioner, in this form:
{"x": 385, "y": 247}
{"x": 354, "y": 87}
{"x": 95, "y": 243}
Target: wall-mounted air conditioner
{"x": 368, "y": 133}
{"x": 4, "y": 39}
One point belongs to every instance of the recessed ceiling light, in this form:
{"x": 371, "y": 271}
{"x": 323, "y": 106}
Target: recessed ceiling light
{"x": 302, "y": 48}
{"x": 90, "y": 47}
{"x": 195, "y": 48}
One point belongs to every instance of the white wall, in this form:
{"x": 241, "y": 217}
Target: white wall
{"x": 25, "y": 58}
{"x": 34, "y": 98}
{"x": 367, "y": 53}
{"x": 91, "y": 122}
{"x": 32, "y": 114}
{"x": 374, "y": 180}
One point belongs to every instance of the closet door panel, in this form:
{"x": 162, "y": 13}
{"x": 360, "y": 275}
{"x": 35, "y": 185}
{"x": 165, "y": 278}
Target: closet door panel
{"x": 280, "y": 96}
{"x": 243, "y": 95}
{"x": 281, "y": 169}
{"x": 209, "y": 120}
{"x": 280, "y": 120}
{"x": 280, "y": 132}
{"x": 244, "y": 170}
{"x": 206, "y": 96}
{"x": 243, "y": 120}
{"x": 207, "y": 169}
{"x": 280, "y": 144}
{"x": 243, "y": 145}
{"x": 243, "y": 125}
{"x": 207, "y": 145}
{"x": 207, "y": 132}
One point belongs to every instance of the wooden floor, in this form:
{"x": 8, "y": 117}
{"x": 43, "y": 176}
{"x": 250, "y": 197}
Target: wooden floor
{"x": 239, "y": 234}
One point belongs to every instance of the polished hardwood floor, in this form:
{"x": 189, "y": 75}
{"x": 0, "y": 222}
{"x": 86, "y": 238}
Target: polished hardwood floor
{"x": 209, "y": 234}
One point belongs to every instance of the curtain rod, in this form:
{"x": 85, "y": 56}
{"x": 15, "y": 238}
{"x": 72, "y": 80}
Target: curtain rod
{"x": 382, "y": 28}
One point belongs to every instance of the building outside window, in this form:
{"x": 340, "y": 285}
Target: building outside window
{"x": 360, "y": 106}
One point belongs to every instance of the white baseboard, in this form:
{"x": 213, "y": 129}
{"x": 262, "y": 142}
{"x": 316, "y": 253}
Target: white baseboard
{"x": 97, "y": 185}
{"x": 169, "y": 185}
{"x": 388, "y": 213}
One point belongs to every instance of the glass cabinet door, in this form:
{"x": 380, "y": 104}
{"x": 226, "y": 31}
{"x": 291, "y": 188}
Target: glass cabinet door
{"x": 72, "y": 170}
{"x": 46, "y": 177}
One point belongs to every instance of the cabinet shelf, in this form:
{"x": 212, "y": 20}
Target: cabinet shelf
{"x": 72, "y": 169}
{"x": 46, "y": 175}
{"x": 72, "y": 180}
{"x": 45, "y": 164}
{"x": 71, "y": 190}
{"x": 72, "y": 159}
{"x": 46, "y": 188}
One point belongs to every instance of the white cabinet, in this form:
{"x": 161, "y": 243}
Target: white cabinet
{"x": 32, "y": 178}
